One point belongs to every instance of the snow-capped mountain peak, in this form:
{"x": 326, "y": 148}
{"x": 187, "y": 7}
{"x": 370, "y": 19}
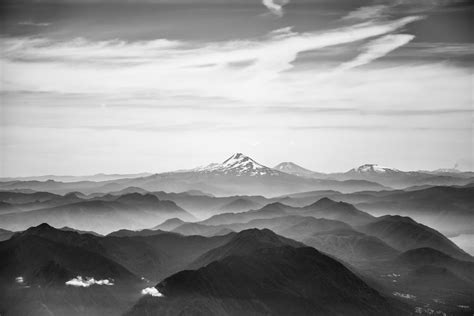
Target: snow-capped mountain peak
{"x": 374, "y": 168}
{"x": 239, "y": 159}
{"x": 292, "y": 168}
{"x": 287, "y": 165}
{"x": 238, "y": 164}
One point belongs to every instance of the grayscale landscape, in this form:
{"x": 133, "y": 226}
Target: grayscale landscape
{"x": 236, "y": 158}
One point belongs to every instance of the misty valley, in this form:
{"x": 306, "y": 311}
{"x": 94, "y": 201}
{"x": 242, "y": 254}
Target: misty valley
{"x": 239, "y": 238}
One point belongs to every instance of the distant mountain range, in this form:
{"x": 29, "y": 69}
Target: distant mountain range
{"x": 446, "y": 208}
{"x": 95, "y": 177}
{"x": 240, "y": 174}
{"x": 132, "y": 211}
{"x": 386, "y": 176}
{"x": 337, "y": 228}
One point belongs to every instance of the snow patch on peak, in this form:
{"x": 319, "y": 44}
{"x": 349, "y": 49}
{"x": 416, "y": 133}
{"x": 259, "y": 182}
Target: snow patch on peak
{"x": 239, "y": 165}
{"x": 374, "y": 168}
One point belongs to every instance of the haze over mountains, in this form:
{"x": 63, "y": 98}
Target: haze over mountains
{"x": 95, "y": 177}
{"x": 282, "y": 241}
{"x": 204, "y": 191}
{"x": 101, "y": 215}
{"x": 387, "y": 176}
{"x": 240, "y": 174}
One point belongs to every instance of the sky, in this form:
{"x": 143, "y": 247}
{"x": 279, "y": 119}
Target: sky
{"x": 110, "y": 86}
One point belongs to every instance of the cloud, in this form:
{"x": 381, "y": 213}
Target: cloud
{"x": 87, "y": 281}
{"x": 377, "y": 49}
{"x": 368, "y": 12}
{"x": 151, "y": 291}
{"x": 308, "y": 110}
{"x": 443, "y": 50}
{"x": 274, "y": 7}
{"x": 386, "y": 8}
{"x": 378, "y": 127}
{"x": 31, "y": 23}
{"x": 168, "y": 91}
{"x": 112, "y": 67}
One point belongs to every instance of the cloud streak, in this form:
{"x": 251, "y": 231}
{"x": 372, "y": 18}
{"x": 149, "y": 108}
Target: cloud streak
{"x": 274, "y": 7}
{"x": 376, "y": 49}
{"x": 31, "y": 23}
{"x": 82, "y": 66}
{"x": 368, "y": 12}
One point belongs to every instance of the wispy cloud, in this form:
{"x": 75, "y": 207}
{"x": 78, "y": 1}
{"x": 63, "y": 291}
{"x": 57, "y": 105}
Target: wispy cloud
{"x": 275, "y": 6}
{"x": 368, "y": 111}
{"x": 376, "y": 49}
{"x": 384, "y": 9}
{"x": 82, "y": 66}
{"x": 368, "y": 12}
{"x": 31, "y": 23}
{"x": 378, "y": 127}
{"x": 440, "y": 50}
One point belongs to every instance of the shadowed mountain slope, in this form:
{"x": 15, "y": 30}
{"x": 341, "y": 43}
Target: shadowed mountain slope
{"x": 268, "y": 281}
{"x": 403, "y": 233}
{"x": 243, "y": 243}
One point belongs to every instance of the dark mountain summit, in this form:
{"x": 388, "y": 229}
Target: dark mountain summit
{"x": 341, "y": 211}
{"x": 243, "y": 243}
{"x": 45, "y": 254}
{"x": 268, "y": 281}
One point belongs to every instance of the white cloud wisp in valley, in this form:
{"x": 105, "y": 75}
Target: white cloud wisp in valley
{"x": 79, "y": 281}
{"x": 152, "y": 291}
